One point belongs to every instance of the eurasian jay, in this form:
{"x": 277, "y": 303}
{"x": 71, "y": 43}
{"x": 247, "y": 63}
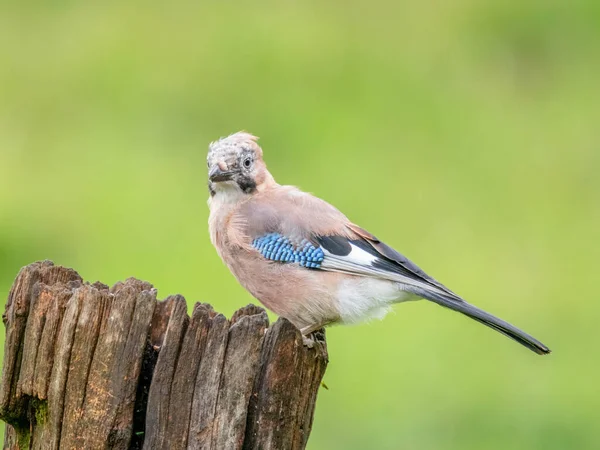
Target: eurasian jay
{"x": 303, "y": 259}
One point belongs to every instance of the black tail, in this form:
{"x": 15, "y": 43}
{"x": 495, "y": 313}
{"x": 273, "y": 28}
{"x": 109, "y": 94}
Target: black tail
{"x": 481, "y": 316}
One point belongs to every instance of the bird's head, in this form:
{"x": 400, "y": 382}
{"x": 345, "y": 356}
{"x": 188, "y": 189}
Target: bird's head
{"x": 236, "y": 166}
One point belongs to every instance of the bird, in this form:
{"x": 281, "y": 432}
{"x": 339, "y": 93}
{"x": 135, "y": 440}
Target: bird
{"x": 305, "y": 260}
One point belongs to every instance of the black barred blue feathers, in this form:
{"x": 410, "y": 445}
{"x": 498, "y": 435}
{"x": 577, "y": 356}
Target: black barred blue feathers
{"x": 276, "y": 247}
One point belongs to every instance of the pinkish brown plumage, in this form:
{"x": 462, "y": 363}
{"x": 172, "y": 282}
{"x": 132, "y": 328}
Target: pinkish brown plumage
{"x": 303, "y": 259}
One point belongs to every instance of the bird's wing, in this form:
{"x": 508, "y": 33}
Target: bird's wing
{"x": 289, "y": 226}
{"x": 364, "y": 254}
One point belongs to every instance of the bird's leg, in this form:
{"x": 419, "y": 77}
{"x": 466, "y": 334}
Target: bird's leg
{"x": 311, "y": 328}
{"x": 306, "y": 331}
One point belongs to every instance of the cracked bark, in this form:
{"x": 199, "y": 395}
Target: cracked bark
{"x": 86, "y": 366}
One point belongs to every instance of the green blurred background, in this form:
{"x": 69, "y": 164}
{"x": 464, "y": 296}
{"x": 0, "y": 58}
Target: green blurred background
{"x": 464, "y": 133}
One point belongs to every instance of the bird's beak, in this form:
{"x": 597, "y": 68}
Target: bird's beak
{"x": 216, "y": 174}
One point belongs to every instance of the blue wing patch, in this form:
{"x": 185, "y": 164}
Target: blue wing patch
{"x": 276, "y": 247}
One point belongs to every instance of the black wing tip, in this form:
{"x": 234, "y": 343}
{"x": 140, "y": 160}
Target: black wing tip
{"x": 530, "y": 343}
{"x": 518, "y": 335}
{"x": 487, "y": 319}
{"x": 542, "y": 350}
{"x": 513, "y": 333}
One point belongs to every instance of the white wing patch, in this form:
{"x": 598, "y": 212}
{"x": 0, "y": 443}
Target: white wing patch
{"x": 356, "y": 258}
{"x": 360, "y": 262}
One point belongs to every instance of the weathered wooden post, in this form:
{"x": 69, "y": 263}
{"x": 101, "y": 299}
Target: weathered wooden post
{"x": 88, "y": 366}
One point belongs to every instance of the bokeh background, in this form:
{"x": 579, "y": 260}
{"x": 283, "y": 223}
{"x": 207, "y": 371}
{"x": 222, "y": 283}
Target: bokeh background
{"x": 464, "y": 133}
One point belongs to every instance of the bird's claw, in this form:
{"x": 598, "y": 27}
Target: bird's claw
{"x": 308, "y": 342}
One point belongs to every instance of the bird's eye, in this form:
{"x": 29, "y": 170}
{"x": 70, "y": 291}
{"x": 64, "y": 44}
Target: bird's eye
{"x": 247, "y": 163}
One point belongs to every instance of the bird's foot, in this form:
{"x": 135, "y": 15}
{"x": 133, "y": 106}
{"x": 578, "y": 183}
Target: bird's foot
{"x": 313, "y": 333}
{"x": 308, "y": 341}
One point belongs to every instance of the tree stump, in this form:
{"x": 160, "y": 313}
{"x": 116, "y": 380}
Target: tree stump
{"x": 88, "y": 366}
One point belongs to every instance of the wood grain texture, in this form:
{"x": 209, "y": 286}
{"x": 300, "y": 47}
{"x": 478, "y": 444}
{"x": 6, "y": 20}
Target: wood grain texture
{"x": 157, "y": 412}
{"x": 182, "y": 388}
{"x": 280, "y": 414}
{"x": 207, "y": 383}
{"x": 240, "y": 368}
{"x": 88, "y": 366}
